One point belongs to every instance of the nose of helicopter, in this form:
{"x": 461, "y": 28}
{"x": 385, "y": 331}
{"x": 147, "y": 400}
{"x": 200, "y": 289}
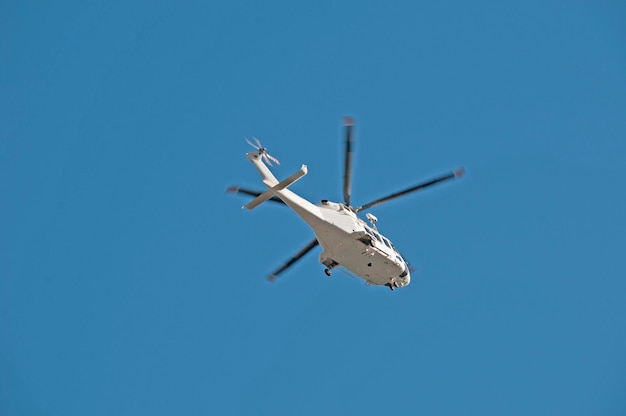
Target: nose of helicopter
{"x": 404, "y": 281}
{"x": 405, "y": 278}
{"x": 400, "y": 281}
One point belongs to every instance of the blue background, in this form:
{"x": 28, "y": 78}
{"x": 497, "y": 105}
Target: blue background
{"x": 130, "y": 283}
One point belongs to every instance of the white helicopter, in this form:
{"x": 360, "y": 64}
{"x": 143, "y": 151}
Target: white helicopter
{"x": 348, "y": 242}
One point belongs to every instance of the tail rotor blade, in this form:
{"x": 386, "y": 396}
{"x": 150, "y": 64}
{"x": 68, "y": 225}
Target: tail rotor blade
{"x": 347, "y": 176}
{"x": 292, "y": 260}
{"x": 271, "y": 158}
{"x": 252, "y": 144}
{"x": 457, "y": 173}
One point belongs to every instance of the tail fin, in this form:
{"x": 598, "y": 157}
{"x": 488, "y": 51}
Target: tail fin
{"x": 268, "y": 178}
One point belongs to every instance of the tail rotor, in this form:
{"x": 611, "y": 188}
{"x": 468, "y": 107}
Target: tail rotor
{"x": 263, "y": 151}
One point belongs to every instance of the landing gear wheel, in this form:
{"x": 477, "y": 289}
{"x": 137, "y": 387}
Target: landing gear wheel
{"x": 328, "y": 272}
{"x": 390, "y": 286}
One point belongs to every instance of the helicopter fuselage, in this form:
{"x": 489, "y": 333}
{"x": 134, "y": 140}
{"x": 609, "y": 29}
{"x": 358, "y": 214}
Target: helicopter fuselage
{"x": 348, "y": 242}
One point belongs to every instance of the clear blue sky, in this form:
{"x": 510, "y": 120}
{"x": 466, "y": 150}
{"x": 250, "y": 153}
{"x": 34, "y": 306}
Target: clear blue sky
{"x": 131, "y": 284}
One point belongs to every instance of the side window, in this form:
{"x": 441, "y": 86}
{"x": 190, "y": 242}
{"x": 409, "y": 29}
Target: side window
{"x": 373, "y": 233}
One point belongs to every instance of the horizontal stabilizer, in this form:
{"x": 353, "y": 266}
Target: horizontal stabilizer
{"x": 252, "y": 192}
{"x": 271, "y": 191}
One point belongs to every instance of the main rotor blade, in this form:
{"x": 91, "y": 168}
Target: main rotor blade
{"x": 292, "y": 260}
{"x": 251, "y": 192}
{"x": 457, "y": 173}
{"x": 347, "y": 176}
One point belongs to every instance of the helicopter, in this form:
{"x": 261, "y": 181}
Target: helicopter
{"x": 348, "y": 242}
